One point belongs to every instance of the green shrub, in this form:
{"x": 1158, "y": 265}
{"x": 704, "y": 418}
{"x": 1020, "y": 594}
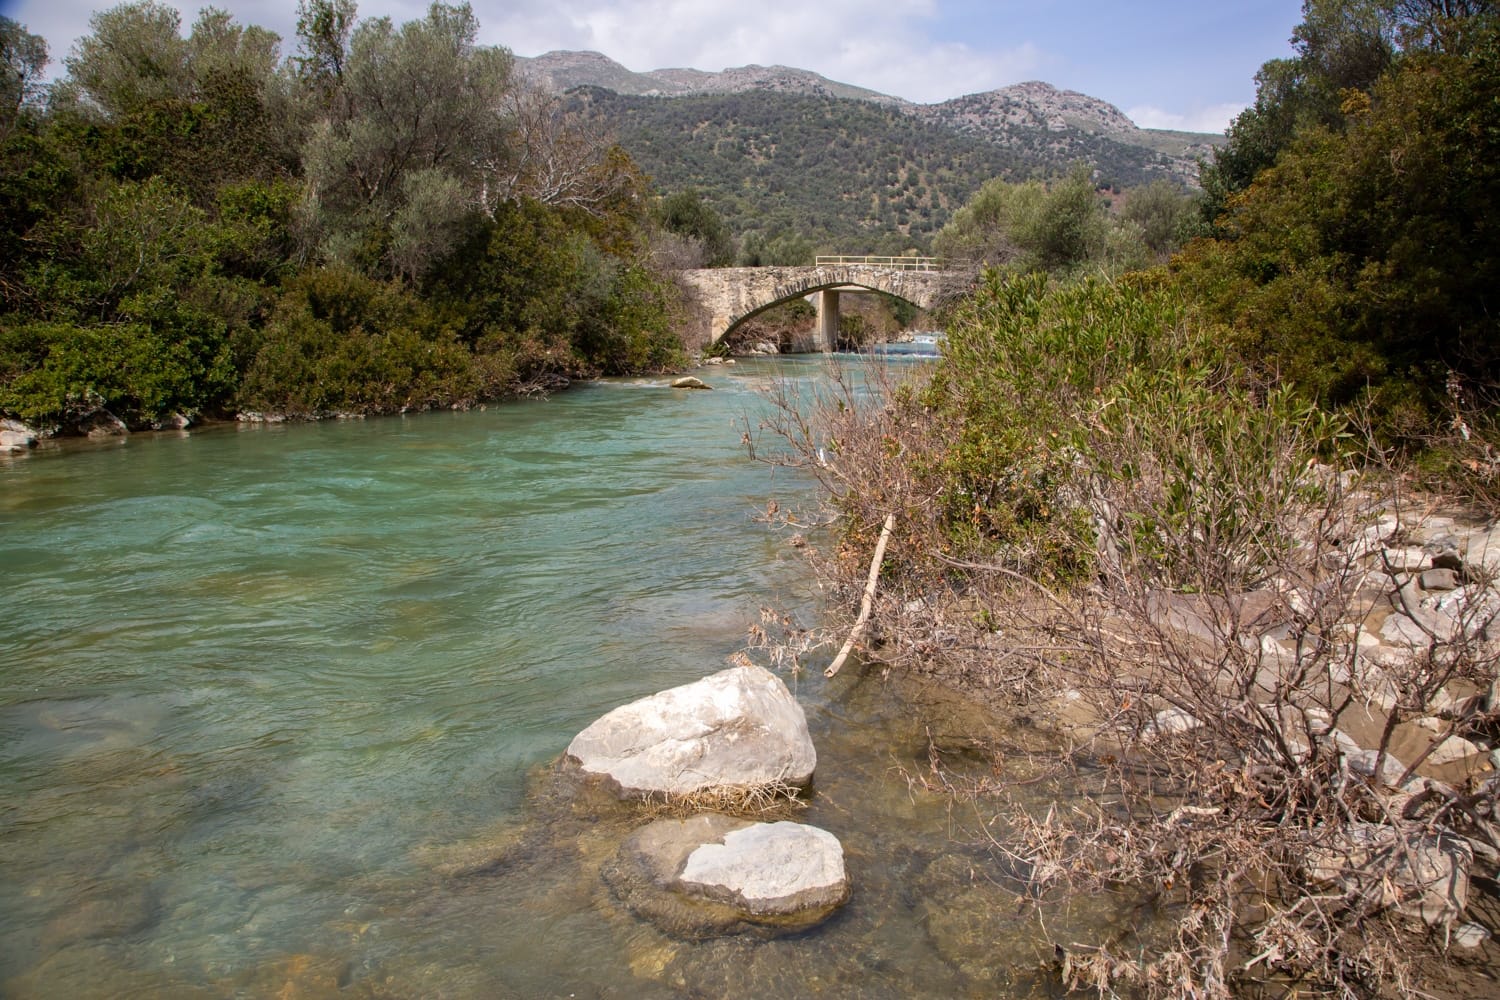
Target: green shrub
{"x": 54, "y": 373}
{"x": 341, "y": 342}
{"x": 1101, "y": 419}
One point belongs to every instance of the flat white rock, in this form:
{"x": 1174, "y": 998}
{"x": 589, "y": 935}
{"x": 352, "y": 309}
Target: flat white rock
{"x": 770, "y": 868}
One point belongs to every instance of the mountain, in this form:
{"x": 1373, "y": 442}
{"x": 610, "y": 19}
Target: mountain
{"x": 776, "y": 149}
{"x": 1016, "y": 116}
{"x": 846, "y": 174}
{"x": 563, "y": 71}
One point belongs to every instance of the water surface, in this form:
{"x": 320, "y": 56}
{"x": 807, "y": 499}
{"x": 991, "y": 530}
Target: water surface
{"x": 256, "y": 683}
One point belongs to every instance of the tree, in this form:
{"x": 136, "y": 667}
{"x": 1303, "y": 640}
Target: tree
{"x": 687, "y": 214}
{"x": 1033, "y": 227}
{"x": 324, "y": 27}
{"x": 1166, "y": 214}
{"x": 986, "y": 230}
{"x": 419, "y": 98}
{"x": 134, "y": 57}
{"x": 1342, "y": 46}
{"x": 1364, "y": 260}
{"x": 23, "y": 56}
{"x": 556, "y": 156}
{"x": 220, "y": 46}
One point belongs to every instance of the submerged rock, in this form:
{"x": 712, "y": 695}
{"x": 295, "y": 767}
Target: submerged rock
{"x": 770, "y": 869}
{"x": 713, "y": 874}
{"x": 739, "y": 728}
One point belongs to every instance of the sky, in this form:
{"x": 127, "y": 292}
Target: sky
{"x": 1184, "y": 64}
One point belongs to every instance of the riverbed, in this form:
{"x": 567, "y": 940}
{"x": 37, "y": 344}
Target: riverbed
{"x": 263, "y": 684}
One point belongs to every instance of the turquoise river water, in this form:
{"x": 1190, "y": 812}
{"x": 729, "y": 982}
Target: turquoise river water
{"x": 264, "y": 689}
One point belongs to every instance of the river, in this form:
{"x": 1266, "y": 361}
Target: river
{"x": 259, "y": 685}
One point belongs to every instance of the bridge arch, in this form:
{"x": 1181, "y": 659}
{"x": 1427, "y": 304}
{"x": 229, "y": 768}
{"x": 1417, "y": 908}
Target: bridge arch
{"x": 728, "y": 296}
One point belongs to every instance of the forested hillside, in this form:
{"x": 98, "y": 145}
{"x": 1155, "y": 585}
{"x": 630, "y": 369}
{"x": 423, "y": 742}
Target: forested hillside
{"x": 847, "y": 175}
{"x": 840, "y": 173}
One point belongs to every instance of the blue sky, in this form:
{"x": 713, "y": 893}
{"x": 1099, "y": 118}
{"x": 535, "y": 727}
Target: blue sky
{"x": 1174, "y": 64}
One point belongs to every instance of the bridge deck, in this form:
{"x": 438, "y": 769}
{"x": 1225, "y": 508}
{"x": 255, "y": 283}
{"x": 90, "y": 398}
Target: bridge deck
{"x": 899, "y": 263}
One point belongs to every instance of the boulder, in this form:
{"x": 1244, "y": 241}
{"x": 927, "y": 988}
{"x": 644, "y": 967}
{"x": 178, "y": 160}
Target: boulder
{"x": 1423, "y": 875}
{"x": 1418, "y": 629}
{"x": 14, "y": 441}
{"x": 736, "y": 729}
{"x": 770, "y": 869}
{"x": 1405, "y": 559}
{"x": 1170, "y": 721}
{"x": 102, "y": 424}
{"x": 1470, "y": 936}
{"x": 1440, "y": 579}
{"x": 712, "y": 874}
{"x": 689, "y": 382}
{"x": 172, "y": 422}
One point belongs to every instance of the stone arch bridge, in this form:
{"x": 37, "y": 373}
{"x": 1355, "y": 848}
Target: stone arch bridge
{"x": 727, "y": 296}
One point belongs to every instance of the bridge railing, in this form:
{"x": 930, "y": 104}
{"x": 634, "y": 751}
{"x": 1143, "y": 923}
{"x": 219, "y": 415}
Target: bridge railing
{"x": 899, "y": 263}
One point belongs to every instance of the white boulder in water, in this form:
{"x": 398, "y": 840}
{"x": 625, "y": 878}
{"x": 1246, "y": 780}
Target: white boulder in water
{"x": 712, "y": 874}
{"x": 736, "y": 729}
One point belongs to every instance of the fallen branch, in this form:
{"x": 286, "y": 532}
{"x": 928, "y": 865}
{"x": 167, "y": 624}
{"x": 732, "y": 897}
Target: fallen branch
{"x": 869, "y": 599}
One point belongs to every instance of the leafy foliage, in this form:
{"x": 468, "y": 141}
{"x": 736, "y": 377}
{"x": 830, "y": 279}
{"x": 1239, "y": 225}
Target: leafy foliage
{"x": 387, "y": 221}
{"x": 1363, "y": 264}
{"x": 1060, "y": 228}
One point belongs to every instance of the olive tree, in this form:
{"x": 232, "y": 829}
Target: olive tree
{"x": 417, "y": 110}
{"x": 134, "y": 56}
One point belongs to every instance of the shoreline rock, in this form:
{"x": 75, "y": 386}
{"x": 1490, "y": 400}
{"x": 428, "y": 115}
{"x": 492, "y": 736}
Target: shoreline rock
{"x": 739, "y": 728}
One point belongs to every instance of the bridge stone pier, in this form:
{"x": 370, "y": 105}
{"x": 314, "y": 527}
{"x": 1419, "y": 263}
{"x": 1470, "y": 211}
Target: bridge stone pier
{"x": 727, "y": 296}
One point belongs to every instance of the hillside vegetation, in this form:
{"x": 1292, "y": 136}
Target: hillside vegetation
{"x": 840, "y": 173}
{"x": 849, "y": 176}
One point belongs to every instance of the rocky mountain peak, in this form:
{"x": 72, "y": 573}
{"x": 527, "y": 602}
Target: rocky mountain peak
{"x": 1039, "y": 105}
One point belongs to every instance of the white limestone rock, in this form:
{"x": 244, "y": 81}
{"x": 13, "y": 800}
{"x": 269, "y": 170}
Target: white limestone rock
{"x": 770, "y": 869}
{"x": 739, "y": 728}
{"x": 1170, "y": 721}
{"x": 15, "y": 441}
{"x": 1469, "y": 936}
{"x": 712, "y": 874}
{"x": 1405, "y": 559}
{"x": 1430, "y": 873}
{"x": 1440, "y": 580}
{"x": 1454, "y": 749}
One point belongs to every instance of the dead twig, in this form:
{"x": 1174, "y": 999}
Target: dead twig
{"x": 869, "y": 599}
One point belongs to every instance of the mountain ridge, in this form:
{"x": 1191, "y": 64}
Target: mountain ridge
{"x": 1010, "y": 116}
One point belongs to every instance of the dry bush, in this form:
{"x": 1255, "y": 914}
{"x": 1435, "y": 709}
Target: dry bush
{"x": 1156, "y": 560}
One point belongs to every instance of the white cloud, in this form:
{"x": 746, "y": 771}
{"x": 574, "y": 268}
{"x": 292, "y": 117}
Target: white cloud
{"x": 1214, "y": 118}
{"x": 879, "y": 46}
{"x": 886, "y": 45}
